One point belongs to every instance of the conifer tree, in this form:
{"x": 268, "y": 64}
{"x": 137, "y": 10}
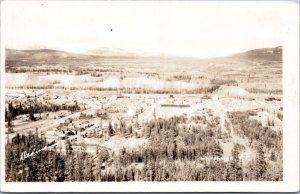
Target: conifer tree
{"x": 261, "y": 164}
{"x": 110, "y": 129}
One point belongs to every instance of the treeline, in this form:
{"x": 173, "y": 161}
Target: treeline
{"x": 47, "y": 70}
{"x": 46, "y": 165}
{"x": 183, "y": 153}
{"x": 12, "y": 111}
{"x": 200, "y": 90}
{"x": 170, "y": 140}
{"x": 180, "y": 77}
{"x": 264, "y": 91}
{"x": 220, "y": 82}
{"x": 268, "y": 143}
{"x": 254, "y": 130}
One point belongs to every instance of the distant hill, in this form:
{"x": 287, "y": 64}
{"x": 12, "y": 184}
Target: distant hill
{"x": 112, "y": 56}
{"x": 40, "y": 54}
{"x": 269, "y": 54}
{"x": 256, "y": 67}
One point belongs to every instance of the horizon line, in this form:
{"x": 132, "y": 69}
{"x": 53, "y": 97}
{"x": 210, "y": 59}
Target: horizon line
{"x": 134, "y": 52}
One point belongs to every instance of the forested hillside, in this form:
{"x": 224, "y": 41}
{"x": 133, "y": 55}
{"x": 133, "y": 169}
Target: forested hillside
{"x": 176, "y": 152}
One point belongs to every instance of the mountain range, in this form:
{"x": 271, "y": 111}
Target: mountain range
{"x": 50, "y": 55}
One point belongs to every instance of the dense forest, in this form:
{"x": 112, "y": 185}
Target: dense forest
{"x": 128, "y": 90}
{"x": 175, "y": 152}
{"x": 12, "y": 111}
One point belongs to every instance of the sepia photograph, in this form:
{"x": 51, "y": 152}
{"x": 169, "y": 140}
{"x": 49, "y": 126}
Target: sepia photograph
{"x": 157, "y": 92}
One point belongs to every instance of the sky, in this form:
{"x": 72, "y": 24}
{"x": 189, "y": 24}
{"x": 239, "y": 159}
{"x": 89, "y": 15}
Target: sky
{"x": 193, "y": 28}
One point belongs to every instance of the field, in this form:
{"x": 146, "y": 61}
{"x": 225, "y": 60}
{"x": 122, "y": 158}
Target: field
{"x": 143, "y": 118}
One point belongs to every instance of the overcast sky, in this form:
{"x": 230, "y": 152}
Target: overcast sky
{"x": 194, "y": 28}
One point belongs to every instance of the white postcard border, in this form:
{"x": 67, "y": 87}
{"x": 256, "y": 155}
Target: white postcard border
{"x": 290, "y": 138}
